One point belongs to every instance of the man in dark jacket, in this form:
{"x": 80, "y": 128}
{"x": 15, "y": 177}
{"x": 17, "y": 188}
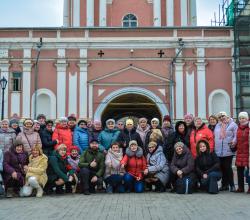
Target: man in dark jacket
{"x": 46, "y": 138}
{"x": 92, "y": 167}
{"x": 41, "y": 118}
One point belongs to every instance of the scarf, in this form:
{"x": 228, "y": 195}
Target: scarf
{"x": 223, "y": 129}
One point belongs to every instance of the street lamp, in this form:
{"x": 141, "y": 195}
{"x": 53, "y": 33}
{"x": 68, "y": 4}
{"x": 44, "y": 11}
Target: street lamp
{"x": 3, "y": 83}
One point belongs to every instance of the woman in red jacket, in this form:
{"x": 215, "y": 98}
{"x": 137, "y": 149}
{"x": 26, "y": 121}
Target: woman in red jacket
{"x": 242, "y": 156}
{"x": 62, "y": 134}
{"x": 134, "y": 163}
{"x": 200, "y": 132}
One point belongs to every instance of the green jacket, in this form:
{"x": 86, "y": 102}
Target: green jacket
{"x": 88, "y": 156}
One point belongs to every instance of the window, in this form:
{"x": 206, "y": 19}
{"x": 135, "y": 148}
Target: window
{"x": 129, "y": 20}
{"x": 16, "y": 81}
{"x": 245, "y": 78}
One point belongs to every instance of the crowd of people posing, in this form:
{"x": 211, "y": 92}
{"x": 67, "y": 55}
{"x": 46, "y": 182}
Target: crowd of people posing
{"x": 79, "y": 156}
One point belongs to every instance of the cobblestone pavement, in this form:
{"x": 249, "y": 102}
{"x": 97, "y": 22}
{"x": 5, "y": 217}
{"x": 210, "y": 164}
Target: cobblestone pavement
{"x": 128, "y": 206}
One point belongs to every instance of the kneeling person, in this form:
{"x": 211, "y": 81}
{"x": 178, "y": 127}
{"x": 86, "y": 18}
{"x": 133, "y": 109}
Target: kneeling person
{"x": 92, "y": 167}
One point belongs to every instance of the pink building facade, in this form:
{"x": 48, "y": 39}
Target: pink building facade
{"x": 97, "y": 67}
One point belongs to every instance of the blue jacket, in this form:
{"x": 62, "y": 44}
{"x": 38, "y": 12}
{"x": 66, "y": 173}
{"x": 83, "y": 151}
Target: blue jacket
{"x": 107, "y": 137}
{"x": 81, "y": 138}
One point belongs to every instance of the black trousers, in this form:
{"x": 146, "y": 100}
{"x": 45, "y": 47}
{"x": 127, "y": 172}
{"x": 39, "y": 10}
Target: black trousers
{"x": 240, "y": 175}
{"x": 227, "y": 171}
{"x": 86, "y": 176}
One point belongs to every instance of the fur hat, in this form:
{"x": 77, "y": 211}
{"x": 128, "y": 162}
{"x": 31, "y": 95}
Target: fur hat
{"x": 243, "y": 115}
{"x": 61, "y": 146}
{"x": 167, "y": 118}
{"x": 142, "y": 119}
{"x": 18, "y": 143}
{"x": 188, "y": 116}
{"x": 41, "y": 116}
{"x": 129, "y": 122}
{"x": 28, "y": 120}
{"x": 6, "y": 120}
{"x": 74, "y": 148}
{"x": 178, "y": 144}
{"x": 132, "y": 142}
{"x": 63, "y": 119}
{"x": 110, "y": 120}
{"x": 14, "y": 121}
{"x": 155, "y": 119}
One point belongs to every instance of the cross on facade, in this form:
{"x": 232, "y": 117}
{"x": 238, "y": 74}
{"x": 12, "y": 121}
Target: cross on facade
{"x": 161, "y": 53}
{"x": 100, "y": 53}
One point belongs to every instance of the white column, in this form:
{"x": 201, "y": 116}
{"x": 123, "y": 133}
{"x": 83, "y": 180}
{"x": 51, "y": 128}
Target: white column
{"x": 201, "y": 83}
{"x": 91, "y": 101}
{"x": 90, "y": 13}
{"x": 193, "y": 12}
{"x": 179, "y": 90}
{"x": 103, "y": 13}
{"x": 26, "y": 79}
{"x": 83, "y": 99}
{"x": 66, "y": 13}
{"x": 4, "y": 68}
{"x": 61, "y": 83}
{"x": 170, "y": 13}
{"x": 190, "y": 93}
{"x": 233, "y": 86}
{"x": 184, "y": 14}
{"x": 72, "y": 93}
{"x": 157, "y": 13}
{"x": 76, "y": 13}
{"x": 15, "y": 103}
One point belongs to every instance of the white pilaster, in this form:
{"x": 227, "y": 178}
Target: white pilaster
{"x": 61, "y": 83}
{"x": 170, "y": 13}
{"x": 103, "y": 13}
{"x": 190, "y": 93}
{"x": 179, "y": 90}
{"x": 157, "y": 13}
{"x": 66, "y": 13}
{"x": 91, "y": 101}
{"x": 201, "y": 83}
{"x": 184, "y": 14}
{"x": 193, "y": 12}
{"x": 73, "y": 94}
{"x": 83, "y": 99}
{"x": 233, "y": 86}
{"x": 76, "y": 13}
{"x": 90, "y": 13}
{"x": 15, "y": 103}
{"x": 26, "y": 83}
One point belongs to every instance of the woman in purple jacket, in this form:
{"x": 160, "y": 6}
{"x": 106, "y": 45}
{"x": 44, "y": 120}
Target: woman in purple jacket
{"x": 15, "y": 166}
{"x": 225, "y": 140}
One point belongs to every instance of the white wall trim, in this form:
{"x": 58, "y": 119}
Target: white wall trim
{"x": 190, "y": 97}
{"x": 91, "y": 98}
{"x": 130, "y": 90}
{"x": 72, "y": 94}
{"x": 179, "y": 90}
{"x": 52, "y": 97}
{"x": 225, "y": 94}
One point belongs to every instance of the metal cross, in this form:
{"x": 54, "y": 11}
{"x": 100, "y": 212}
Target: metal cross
{"x": 100, "y": 53}
{"x": 161, "y": 53}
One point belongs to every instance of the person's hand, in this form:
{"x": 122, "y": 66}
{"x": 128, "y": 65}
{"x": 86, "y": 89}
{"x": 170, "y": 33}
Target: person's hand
{"x": 138, "y": 178}
{"x": 204, "y": 176}
{"x": 59, "y": 182}
{"x": 122, "y": 166}
{"x": 14, "y": 175}
{"x": 71, "y": 178}
{"x": 105, "y": 152}
{"x": 179, "y": 173}
{"x": 25, "y": 168}
{"x": 93, "y": 164}
{"x": 145, "y": 172}
{"x": 57, "y": 141}
{"x": 94, "y": 179}
{"x": 110, "y": 165}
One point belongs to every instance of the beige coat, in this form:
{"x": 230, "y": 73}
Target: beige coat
{"x": 37, "y": 168}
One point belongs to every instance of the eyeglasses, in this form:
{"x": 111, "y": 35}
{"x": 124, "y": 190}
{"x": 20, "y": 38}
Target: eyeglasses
{"x": 119, "y": 124}
{"x": 83, "y": 124}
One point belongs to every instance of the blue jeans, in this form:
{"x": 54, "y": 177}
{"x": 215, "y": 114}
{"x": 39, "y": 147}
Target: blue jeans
{"x": 131, "y": 183}
{"x": 115, "y": 181}
{"x": 210, "y": 184}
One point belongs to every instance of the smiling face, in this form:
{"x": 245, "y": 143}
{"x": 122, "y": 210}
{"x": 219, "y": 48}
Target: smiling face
{"x": 64, "y": 124}
{"x": 212, "y": 121}
{"x": 202, "y": 147}
{"x": 129, "y": 126}
{"x": 133, "y": 147}
{"x": 93, "y": 145}
{"x": 115, "y": 148}
{"x": 110, "y": 125}
{"x": 179, "y": 150}
{"x": 62, "y": 152}
{"x": 74, "y": 153}
{"x": 19, "y": 149}
{"x": 181, "y": 128}
{"x": 35, "y": 152}
{"x": 5, "y": 125}
{"x": 154, "y": 124}
{"x": 36, "y": 126}
{"x": 28, "y": 124}
{"x": 198, "y": 122}
{"x": 151, "y": 148}
{"x": 98, "y": 126}
{"x": 188, "y": 120}
{"x": 143, "y": 124}
{"x": 243, "y": 120}
{"x": 49, "y": 126}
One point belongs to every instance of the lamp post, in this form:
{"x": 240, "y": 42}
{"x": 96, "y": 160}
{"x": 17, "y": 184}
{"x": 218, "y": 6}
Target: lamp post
{"x": 3, "y": 83}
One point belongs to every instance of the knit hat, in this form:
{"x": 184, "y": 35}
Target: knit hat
{"x": 178, "y": 144}
{"x": 18, "y": 143}
{"x": 28, "y": 121}
{"x": 152, "y": 144}
{"x": 94, "y": 140}
{"x": 129, "y": 122}
{"x": 197, "y": 118}
{"x": 220, "y": 114}
{"x": 6, "y": 120}
{"x": 63, "y": 119}
{"x": 142, "y": 119}
{"x": 41, "y": 116}
{"x": 167, "y": 118}
{"x": 188, "y": 116}
{"x": 132, "y": 142}
{"x": 72, "y": 117}
{"x": 243, "y": 115}
{"x": 97, "y": 122}
{"x": 155, "y": 119}
{"x": 36, "y": 122}
{"x": 13, "y": 121}
{"x": 61, "y": 146}
{"x": 82, "y": 121}
{"x": 74, "y": 148}
{"x": 110, "y": 120}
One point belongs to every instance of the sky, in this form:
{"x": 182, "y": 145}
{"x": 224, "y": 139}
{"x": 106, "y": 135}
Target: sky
{"x": 49, "y": 13}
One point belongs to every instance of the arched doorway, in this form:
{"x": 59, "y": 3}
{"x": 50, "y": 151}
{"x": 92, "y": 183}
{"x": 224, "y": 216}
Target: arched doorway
{"x": 131, "y": 105}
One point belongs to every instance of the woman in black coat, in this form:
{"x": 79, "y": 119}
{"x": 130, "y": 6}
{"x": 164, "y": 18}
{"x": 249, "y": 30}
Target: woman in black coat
{"x": 207, "y": 166}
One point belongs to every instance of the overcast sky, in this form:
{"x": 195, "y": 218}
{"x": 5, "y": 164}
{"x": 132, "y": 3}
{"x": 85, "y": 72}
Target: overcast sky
{"x": 49, "y": 13}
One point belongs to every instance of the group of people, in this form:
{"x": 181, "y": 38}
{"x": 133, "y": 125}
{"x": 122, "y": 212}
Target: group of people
{"x": 79, "y": 156}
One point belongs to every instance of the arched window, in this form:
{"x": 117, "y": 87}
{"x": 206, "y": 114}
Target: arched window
{"x": 129, "y": 20}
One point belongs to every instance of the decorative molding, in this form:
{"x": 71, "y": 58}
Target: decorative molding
{"x": 162, "y": 91}
{"x": 101, "y": 91}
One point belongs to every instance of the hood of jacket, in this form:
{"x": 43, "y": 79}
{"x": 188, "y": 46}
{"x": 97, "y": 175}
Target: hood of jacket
{"x": 138, "y": 153}
{"x": 111, "y": 130}
{"x": 83, "y": 130}
{"x": 133, "y": 130}
{"x": 143, "y": 131}
{"x": 178, "y": 123}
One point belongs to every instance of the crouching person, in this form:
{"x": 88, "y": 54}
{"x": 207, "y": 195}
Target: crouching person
{"x": 92, "y": 167}
{"x": 58, "y": 175}
{"x": 134, "y": 163}
{"x": 157, "y": 172}
{"x": 182, "y": 167}
{"x": 36, "y": 176}
{"x": 113, "y": 172}
{"x": 207, "y": 166}
{"x": 14, "y": 165}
